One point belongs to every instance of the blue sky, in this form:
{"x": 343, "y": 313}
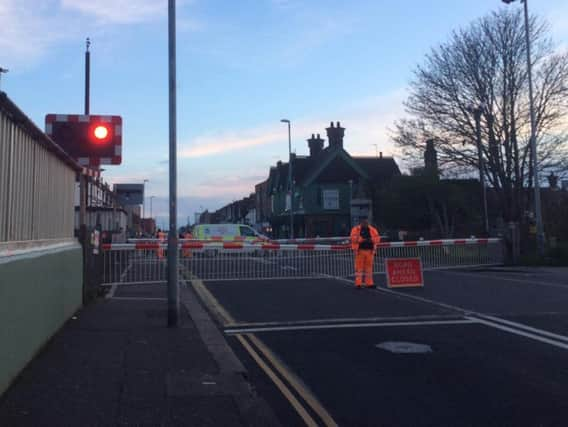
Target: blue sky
{"x": 242, "y": 66}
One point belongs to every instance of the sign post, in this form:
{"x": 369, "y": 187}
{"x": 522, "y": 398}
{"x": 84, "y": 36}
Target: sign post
{"x": 404, "y": 273}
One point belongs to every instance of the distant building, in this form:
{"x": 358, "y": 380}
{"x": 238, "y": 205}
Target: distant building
{"x": 325, "y": 183}
{"x": 262, "y": 207}
{"x": 237, "y": 212}
{"x": 131, "y": 198}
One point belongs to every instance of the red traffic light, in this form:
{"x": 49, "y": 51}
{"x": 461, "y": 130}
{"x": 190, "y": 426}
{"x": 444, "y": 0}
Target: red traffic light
{"x": 91, "y": 140}
{"x": 100, "y": 133}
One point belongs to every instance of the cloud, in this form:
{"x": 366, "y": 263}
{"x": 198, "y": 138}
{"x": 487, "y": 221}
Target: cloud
{"x": 28, "y": 30}
{"x": 225, "y": 143}
{"x": 119, "y": 11}
{"x": 227, "y": 187}
{"x": 187, "y": 206}
{"x": 31, "y": 28}
{"x": 367, "y": 123}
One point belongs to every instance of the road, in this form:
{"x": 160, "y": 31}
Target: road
{"x": 493, "y": 347}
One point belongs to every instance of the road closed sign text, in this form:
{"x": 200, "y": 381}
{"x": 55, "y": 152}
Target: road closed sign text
{"x": 404, "y": 272}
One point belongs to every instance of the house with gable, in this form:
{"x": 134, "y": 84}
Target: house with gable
{"x": 326, "y": 184}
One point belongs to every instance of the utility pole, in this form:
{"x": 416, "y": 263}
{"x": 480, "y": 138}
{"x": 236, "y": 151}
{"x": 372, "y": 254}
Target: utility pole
{"x": 87, "y": 77}
{"x": 290, "y": 182}
{"x": 173, "y": 289}
{"x": 540, "y": 240}
{"x": 477, "y": 111}
{"x": 84, "y": 182}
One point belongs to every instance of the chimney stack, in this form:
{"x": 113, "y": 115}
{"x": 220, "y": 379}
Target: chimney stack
{"x": 335, "y": 135}
{"x": 315, "y": 144}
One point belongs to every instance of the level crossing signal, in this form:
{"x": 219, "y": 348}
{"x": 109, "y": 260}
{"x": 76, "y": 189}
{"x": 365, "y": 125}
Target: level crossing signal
{"x": 89, "y": 139}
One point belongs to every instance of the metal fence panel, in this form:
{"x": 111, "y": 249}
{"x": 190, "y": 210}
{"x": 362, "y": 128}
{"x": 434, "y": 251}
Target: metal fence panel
{"x": 36, "y": 188}
{"x": 5, "y": 174}
{"x": 146, "y": 262}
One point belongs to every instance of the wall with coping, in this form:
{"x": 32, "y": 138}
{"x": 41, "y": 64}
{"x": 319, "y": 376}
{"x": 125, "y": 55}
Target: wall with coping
{"x": 40, "y": 289}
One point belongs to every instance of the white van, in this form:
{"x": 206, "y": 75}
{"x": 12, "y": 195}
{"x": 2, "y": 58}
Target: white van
{"x": 226, "y": 232}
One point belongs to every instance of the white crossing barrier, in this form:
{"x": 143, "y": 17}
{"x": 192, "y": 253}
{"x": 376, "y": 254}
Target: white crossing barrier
{"x": 145, "y": 262}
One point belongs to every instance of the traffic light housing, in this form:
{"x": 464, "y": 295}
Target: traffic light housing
{"x": 91, "y": 140}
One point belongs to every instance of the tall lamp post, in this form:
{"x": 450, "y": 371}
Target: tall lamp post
{"x": 477, "y": 112}
{"x": 290, "y": 183}
{"x": 151, "y": 199}
{"x": 350, "y": 203}
{"x": 532, "y": 142}
{"x": 144, "y": 199}
{"x": 172, "y": 263}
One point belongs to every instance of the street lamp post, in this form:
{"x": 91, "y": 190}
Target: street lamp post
{"x": 290, "y": 183}
{"x": 477, "y": 111}
{"x": 172, "y": 262}
{"x": 532, "y": 141}
{"x": 151, "y": 199}
{"x": 144, "y": 199}
{"x": 350, "y": 202}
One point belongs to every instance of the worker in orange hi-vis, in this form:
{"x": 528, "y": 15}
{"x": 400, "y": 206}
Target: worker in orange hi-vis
{"x": 186, "y": 253}
{"x": 161, "y": 239}
{"x": 364, "y": 241}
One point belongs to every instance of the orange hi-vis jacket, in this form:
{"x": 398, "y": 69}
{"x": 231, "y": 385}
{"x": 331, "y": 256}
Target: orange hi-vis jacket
{"x": 356, "y": 238}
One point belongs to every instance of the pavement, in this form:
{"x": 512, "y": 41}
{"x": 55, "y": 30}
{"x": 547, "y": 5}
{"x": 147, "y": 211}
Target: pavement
{"x": 474, "y": 347}
{"x": 116, "y": 363}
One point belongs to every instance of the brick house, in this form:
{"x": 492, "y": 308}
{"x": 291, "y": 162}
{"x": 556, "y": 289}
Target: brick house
{"x": 325, "y": 183}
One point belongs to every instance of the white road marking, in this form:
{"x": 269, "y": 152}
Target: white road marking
{"x": 508, "y": 279}
{"x": 154, "y": 282}
{"x": 523, "y": 326}
{"x": 139, "y": 299}
{"x": 348, "y": 325}
{"x": 523, "y": 334}
{"x": 122, "y": 276}
{"x": 346, "y": 320}
{"x": 495, "y": 322}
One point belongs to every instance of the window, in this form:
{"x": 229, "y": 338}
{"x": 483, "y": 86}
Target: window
{"x": 330, "y": 199}
{"x": 247, "y": 231}
{"x": 288, "y": 201}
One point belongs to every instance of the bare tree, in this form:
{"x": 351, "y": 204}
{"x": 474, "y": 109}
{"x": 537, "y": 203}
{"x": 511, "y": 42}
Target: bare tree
{"x": 485, "y": 65}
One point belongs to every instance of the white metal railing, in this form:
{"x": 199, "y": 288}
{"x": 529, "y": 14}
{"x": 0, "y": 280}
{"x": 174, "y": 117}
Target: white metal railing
{"x": 36, "y": 181}
{"x": 146, "y": 262}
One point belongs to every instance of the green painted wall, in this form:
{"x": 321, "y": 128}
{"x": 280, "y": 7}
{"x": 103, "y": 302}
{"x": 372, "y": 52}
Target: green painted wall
{"x": 37, "y": 295}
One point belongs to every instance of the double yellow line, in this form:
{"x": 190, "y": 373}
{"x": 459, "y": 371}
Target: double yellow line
{"x": 271, "y": 365}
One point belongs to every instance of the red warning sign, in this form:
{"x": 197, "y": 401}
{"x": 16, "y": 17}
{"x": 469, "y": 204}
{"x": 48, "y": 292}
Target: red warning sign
{"x": 404, "y": 272}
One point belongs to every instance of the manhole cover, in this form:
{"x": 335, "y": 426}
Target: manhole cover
{"x": 404, "y": 347}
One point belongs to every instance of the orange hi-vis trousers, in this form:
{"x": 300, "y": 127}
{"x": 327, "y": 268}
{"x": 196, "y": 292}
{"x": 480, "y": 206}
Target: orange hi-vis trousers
{"x": 364, "y": 267}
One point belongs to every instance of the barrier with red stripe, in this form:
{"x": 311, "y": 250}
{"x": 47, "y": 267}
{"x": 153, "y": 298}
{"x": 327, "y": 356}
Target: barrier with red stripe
{"x": 236, "y": 245}
{"x": 145, "y": 261}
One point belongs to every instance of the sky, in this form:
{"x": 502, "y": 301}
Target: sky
{"x": 242, "y": 65}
